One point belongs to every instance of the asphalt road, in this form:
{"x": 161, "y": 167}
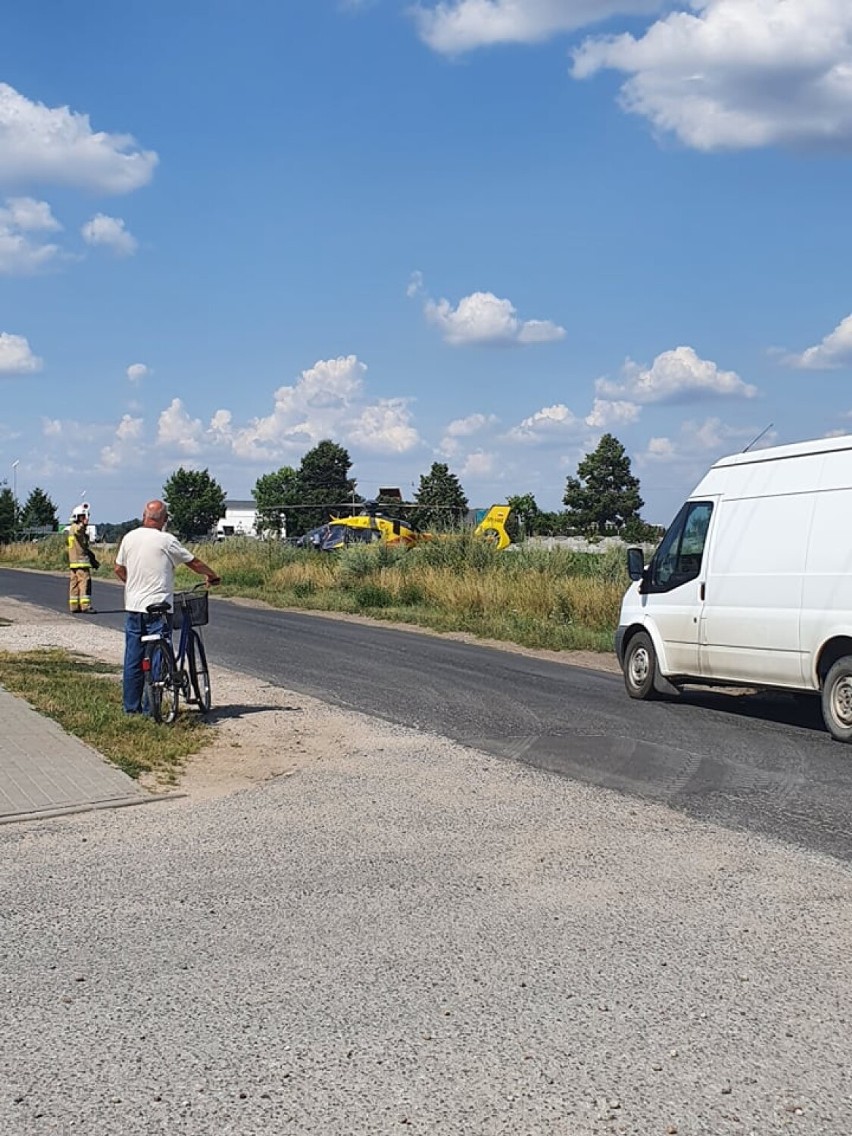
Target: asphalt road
{"x": 758, "y": 763}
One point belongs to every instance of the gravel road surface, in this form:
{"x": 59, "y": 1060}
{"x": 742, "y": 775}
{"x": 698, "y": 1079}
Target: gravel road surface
{"x": 410, "y": 935}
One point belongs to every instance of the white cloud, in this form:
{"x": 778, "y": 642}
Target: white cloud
{"x": 177, "y": 431}
{"x": 606, "y": 413}
{"x": 834, "y": 351}
{"x": 220, "y": 424}
{"x": 326, "y": 401}
{"x": 675, "y": 376}
{"x": 111, "y": 233}
{"x": 480, "y": 463}
{"x": 57, "y": 145}
{"x": 136, "y": 372}
{"x": 549, "y": 423}
{"x": 483, "y": 318}
{"x": 385, "y": 427}
{"x": 738, "y": 73}
{"x": 29, "y": 215}
{"x": 16, "y": 358}
{"x": 454, "y": 26}
{"x": 316, "y": 406}
{"x": 708, "y": 440}
{"x": 415, "y": 284}
{"x": 125, "y": 450}
{"x": 20, "y": 255}
{"x": 128, "y": 428}
{"x": 464, "y": 427}
{"x": 661, "y": 449}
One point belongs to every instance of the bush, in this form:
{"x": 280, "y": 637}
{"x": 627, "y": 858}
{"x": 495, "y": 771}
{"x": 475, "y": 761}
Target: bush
{"x": 354, "y": 564}
{"x": 410, "y": 594}
{"x": 303, "y": 589}
{"x": 373, "y": 596}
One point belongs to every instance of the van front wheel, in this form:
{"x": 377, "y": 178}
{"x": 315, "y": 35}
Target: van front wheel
{"x": 837, "y": 700}
{"x": 640, "y": 665}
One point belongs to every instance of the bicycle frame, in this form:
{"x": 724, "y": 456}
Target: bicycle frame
{"x": 183, "y": 642}
{"x": 184, "y": 671}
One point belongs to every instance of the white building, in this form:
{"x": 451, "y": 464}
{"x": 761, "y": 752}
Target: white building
{"x": 240, "y": 519}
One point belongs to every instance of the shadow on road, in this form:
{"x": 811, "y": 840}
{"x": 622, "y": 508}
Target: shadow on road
{"x": 785, "y": 709}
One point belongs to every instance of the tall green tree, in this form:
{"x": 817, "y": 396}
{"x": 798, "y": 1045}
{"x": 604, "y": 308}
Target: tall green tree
{"x": 39, "y": 511}
{"x": 604, "y": 497}
{"x": 273, "y": 494}
{"x": 324, "y": 486}
{"x": 8, "y": 514}
{"x": 522, "y": 519}
{"x": 196, "y": 501}
{"x": 441, "y": 501}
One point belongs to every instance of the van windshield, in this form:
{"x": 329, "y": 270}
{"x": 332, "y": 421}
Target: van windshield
{"x": 678, "y": 559}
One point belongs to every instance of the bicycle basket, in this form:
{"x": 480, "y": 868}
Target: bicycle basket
{"x": 190, "y": 607}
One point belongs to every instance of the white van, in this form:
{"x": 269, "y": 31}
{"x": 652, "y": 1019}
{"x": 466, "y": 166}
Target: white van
{"x": 752, "y": 583}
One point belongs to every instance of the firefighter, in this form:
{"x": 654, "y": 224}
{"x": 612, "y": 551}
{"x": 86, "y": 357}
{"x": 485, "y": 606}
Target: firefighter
{"x": 80, "y": 563}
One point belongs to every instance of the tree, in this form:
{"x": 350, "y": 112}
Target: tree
{"x": 605, "y": 495}
{"x": 524, "y": 513}
{"x": 39, "y": 511}
{"x": 8, "y": 514}
{"x": 111, "y": 533}
{"x": 195, "y": 500}
{"x": 552, "y": 524}
{"x": 324, "y": 484}
{"x": 273, "y": 493}
{"x": 441, "y": 501}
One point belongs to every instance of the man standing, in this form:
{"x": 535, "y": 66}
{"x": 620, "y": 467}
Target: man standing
{"x": 145, "y": 564}
{"x": 80, "y": 563}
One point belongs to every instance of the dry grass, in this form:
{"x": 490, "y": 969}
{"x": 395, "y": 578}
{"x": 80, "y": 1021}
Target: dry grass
{"x": 537, "y": 598}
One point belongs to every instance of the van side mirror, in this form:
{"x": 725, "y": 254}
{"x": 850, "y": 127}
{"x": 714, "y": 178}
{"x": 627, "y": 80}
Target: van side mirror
{"x": 635, "y": 563}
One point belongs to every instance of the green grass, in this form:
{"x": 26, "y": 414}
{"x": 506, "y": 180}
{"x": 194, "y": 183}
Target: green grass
{"x": 535, "y": 597}
{"x": 84, "y": 696}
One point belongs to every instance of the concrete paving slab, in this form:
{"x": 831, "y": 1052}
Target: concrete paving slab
{"x": 46, "y": 772}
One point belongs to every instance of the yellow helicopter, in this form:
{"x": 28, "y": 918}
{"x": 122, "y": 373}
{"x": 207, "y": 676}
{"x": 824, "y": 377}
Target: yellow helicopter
{"x": 374, "y": 525}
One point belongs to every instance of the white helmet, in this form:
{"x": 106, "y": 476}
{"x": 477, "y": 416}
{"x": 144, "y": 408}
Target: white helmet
{"x": 80, "y": 511}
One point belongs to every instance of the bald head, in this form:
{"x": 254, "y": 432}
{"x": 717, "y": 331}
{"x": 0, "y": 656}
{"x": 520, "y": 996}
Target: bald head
{"x": 155, "y": 514}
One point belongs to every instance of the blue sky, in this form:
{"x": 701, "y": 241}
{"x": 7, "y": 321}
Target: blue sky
{"x": 479, "y": 231}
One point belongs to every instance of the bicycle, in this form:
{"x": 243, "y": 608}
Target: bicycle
{"x": 170, "y": 676}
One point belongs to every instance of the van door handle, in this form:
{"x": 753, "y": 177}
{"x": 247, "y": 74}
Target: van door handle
{"x": 702, "y": 592}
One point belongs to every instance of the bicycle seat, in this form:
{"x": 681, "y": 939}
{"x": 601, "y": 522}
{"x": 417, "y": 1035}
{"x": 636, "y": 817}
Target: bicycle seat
{"x": 158, "y": 609}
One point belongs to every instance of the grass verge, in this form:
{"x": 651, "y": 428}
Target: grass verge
{"x": 83, "y": 696}
{"x": 559, "y": 600}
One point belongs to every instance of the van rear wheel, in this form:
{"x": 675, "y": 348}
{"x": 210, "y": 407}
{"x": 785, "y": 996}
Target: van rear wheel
{"x": 640, "y": 666}
{"x": 837, "y": 700}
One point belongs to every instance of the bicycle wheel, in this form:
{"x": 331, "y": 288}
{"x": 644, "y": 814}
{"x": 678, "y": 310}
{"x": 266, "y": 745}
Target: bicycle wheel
{"x": 198, "y": 672}
{"x": 161, "y": 684}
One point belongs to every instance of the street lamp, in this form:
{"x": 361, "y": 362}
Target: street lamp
{"x": 15, "y": 465}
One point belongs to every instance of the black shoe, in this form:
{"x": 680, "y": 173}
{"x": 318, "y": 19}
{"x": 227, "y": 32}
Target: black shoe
{"x": 89, "y": 611}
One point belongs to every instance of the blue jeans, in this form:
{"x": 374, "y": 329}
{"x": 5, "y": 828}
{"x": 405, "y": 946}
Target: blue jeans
{"x": 137, "y": 624}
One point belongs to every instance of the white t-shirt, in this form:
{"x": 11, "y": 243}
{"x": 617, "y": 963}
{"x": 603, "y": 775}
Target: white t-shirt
{"x": 150, "y": 557}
